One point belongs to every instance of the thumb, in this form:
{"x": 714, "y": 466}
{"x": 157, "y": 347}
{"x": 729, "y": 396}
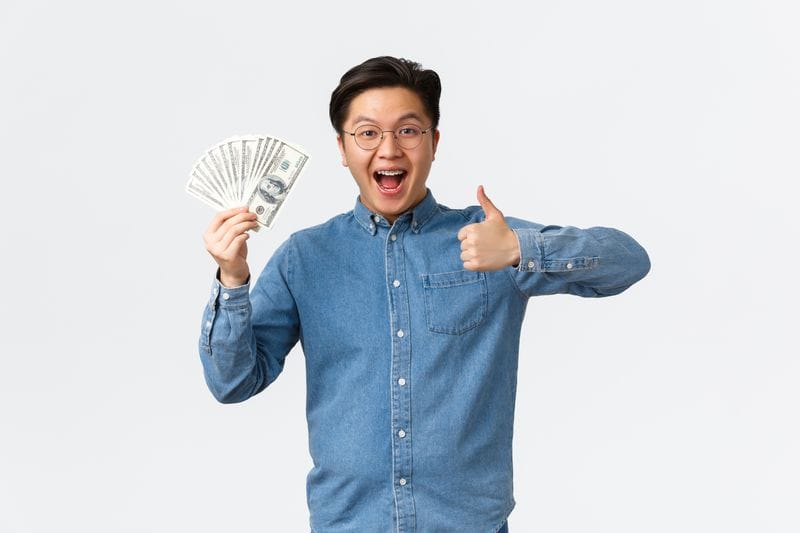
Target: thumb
{"x": 488, "y": 207}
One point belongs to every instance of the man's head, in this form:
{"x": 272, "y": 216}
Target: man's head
{"x": 386, "y": 71}
{"x": 392, "y": 106}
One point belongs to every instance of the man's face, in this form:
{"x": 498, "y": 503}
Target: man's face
{"x": 389, "y": 108}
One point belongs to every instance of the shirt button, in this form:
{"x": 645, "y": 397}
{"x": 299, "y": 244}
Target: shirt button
{"x": 401, "y": 433}
{"x": 400, "y": 333}
{"x": 393, "y": 237}
{"x": 396, "y": 283}
{"x": 402, "y": 481}
{"x": 569, "y": 265}
{"x": 225, "y": 296}
{"x": 376, "y": 218}
{"x": 531, "y": 264}
{"x": 401, "y": 381}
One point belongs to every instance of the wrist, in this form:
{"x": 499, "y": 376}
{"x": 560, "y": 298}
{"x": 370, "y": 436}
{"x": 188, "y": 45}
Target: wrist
{"x": 513, "y": 249}
{"x": 230, "y": 281}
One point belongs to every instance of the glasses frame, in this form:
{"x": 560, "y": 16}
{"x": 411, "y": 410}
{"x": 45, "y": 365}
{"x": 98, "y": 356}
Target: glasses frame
{"x": 394, "y": 135}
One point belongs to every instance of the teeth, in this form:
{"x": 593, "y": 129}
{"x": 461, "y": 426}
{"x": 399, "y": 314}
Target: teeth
{"x": 390, "y": 172}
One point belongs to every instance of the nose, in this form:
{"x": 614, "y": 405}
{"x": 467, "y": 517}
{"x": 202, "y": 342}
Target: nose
{"x": 388, "y": 146}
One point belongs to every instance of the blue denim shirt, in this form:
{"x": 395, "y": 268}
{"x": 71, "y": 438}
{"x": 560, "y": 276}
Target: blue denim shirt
{"x": 411, "y": 361}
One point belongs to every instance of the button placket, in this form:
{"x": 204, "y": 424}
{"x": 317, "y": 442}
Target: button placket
{"x": 401, "y": 361}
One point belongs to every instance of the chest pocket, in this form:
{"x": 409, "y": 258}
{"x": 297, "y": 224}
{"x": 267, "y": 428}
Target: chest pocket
{"x": 455, "y": 302}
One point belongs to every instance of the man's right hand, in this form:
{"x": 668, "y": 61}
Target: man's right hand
{"x": 226, "y": 241}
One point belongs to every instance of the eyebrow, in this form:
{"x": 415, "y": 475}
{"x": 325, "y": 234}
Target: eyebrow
{"x": 406, "y": 116}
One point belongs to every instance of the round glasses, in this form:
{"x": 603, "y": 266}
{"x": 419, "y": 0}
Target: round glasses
{"x": 369, "y": 137}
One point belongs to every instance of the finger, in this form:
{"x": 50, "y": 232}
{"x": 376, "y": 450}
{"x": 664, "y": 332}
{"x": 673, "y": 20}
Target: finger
{"x": 235, "y": 253}
{"x": 222, "y": 216}
{"x": 463, "y": 233}
{"x": 488, "y": 206}
{"x": 232, "y": 221}
{"x": 234, "y": 232}
{"x": 220, "y": 248}
{"x": 467, "y": 255}
{"x": 217, "y": 242}
{"x": 237, "y": 244}
{"x": 216, "y": 233}
{"x": 469, "y": 265}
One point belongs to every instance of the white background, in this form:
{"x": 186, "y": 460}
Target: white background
{"x": 672, "y": 407}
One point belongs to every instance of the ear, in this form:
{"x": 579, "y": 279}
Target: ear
{"x": 340, "y": 142}
{"x": 435, "y": 143}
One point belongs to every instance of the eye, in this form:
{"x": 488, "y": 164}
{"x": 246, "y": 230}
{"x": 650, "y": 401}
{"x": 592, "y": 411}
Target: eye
{"x": 408, "y": 131}
{"x": 368, "y": 132}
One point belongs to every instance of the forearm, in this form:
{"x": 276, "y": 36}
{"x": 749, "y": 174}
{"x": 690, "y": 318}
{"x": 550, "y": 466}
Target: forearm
{"x": 233, "y": 368}
{"x": 586, "y": 262}
{"x": 247, "y": 335}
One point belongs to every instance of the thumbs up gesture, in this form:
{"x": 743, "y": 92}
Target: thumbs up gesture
{"x": 488, "y": 245}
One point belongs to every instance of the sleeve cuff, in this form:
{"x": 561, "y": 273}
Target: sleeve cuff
{"x": 531, "y": 252}
{"x": 229, "y": 296}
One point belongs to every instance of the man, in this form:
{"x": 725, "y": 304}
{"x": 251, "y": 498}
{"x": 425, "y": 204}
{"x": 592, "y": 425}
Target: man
{"x": 409, "y": 316}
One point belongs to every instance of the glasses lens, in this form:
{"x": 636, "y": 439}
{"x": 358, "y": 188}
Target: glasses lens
{"x": 368, "y": 137}
{"x": 408, "y": 136}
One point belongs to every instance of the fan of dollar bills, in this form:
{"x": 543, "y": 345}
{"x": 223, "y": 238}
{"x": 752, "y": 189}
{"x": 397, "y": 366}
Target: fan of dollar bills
{"x": 253, "y": 170}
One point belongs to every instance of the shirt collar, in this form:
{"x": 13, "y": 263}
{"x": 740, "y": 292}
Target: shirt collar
{"x": 419, "y": 215}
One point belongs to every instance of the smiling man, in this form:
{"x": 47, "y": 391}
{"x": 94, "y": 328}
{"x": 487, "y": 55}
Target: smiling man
{"x": 409, "y": 315}
{"x": 391, "y": 175}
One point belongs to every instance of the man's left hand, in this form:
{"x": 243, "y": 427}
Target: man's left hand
{"x": 491, "y": 244}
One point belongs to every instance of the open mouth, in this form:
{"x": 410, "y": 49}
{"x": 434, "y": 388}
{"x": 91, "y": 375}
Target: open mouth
{"x": 389, "y": 181}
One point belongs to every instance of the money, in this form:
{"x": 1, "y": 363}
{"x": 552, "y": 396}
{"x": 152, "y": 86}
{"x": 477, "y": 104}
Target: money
{"x": 258, "y": 171}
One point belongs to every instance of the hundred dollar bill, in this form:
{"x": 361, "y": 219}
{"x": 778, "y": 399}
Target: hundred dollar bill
{"x": 274, "y": 182}
{"x": 216, "y": 165}
{"x": 260, "y": 163}
{"x": 254, "y": 170}
{"x": 243, "y": 150}
{"x": 197, "y": 189}
{"x": 204, "y": 176}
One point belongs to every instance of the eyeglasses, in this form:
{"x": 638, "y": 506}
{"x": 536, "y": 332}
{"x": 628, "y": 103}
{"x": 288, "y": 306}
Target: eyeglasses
{"x": 369, "y": 137}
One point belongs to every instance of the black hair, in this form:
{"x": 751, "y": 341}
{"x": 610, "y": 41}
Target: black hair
{"x": 385, "y": 71}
